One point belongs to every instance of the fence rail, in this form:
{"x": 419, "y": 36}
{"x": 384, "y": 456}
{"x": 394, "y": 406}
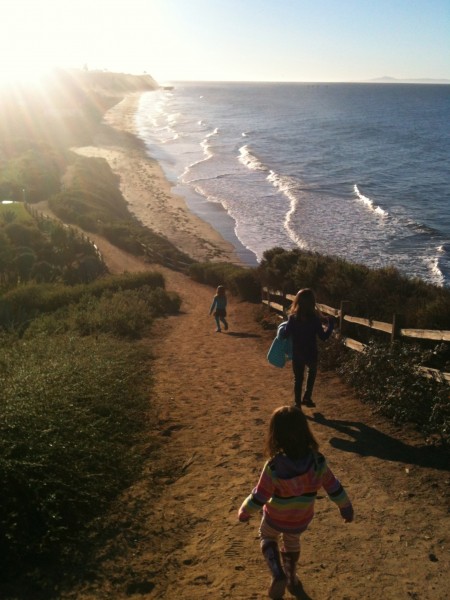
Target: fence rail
{"x": 394, "y": 329}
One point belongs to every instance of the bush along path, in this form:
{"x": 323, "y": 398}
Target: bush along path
{"x": 174, "y": 534}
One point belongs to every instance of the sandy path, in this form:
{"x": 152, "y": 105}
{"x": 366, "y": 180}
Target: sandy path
{"x": 213, "y": 396}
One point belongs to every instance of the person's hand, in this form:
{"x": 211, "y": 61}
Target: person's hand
{"x": 347, "y": 513}
{"x": 243, "y": 516}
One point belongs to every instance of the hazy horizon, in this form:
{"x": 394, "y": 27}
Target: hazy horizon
{"x": 211, "y": 40}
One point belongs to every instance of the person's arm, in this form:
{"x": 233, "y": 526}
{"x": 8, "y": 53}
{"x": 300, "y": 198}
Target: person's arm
{"x": 214, "y": 302}
{"x": 322, "y": 333}
{"x": 259, "y": 496}
{"x": 335, "y": 491}
{"x": 289, "y": 328}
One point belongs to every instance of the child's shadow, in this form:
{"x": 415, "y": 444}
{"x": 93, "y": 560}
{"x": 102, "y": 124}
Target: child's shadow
{"x": 301, "y": 594}
{"x": 243, "y": 334}
{"x": 368, "y": 441}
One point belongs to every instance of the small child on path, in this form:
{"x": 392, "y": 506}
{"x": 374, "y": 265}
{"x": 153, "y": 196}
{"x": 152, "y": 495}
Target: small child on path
{"x": 286, "y": 492}
{"x": 219, "y": 306}
{"x": 305, "y": 326}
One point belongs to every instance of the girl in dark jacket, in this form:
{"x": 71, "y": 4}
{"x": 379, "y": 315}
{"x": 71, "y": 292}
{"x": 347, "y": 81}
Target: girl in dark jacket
{"x": 305, "y": 325}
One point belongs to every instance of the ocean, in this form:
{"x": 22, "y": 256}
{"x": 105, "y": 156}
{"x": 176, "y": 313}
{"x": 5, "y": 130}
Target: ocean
{"x": 359, "y": 171}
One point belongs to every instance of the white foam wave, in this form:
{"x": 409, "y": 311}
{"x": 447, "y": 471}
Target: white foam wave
{"x": 288, "y": 186}
{"x": 249, "y": 160}
{"x": 436, "y": 273}
{"x": 369, "y": 203}
{"x": 206, "y": 145}
{"x": 207, "y": 154}
{"x": 173, "y": 118}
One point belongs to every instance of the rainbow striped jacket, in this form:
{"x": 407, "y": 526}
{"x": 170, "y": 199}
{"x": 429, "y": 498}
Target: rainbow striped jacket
{"x": 287, "y": 489}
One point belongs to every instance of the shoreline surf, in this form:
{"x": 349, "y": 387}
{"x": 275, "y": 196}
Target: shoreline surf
{"x": 151, "y": 197}
{"x": 331, "y": 170}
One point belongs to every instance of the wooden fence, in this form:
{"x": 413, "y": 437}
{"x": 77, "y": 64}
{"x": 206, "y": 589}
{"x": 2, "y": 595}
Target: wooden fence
{"x": 395, "y": 329}
{"x": 162, "y": 259}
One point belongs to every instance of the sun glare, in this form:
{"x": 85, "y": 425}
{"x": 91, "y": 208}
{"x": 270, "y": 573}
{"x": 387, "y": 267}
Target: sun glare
{"x": 36, "y": 37}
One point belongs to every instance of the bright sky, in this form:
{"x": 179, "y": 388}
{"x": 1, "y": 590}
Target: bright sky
{"x": 230, "y": 40}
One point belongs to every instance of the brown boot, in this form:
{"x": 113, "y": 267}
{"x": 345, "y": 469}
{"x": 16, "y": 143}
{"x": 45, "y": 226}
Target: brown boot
{"x": 272, "y": 556}
{"x": 294, "y": 586}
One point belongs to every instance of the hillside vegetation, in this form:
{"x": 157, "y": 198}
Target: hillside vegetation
{"x": 74, "y": 375}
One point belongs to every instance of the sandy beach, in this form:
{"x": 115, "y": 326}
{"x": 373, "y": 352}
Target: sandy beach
{"x": 147, "y": 190}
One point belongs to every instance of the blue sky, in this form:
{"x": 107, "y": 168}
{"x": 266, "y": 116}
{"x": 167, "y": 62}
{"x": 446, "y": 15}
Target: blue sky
{"x": 231, "y": 40}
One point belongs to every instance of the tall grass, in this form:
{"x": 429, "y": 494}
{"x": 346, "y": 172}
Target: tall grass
{"x": 24, "y": 303}
{"x": 75, "y": 401}
{"x": 72, "y": 410}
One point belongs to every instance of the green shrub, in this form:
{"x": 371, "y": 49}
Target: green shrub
{"x": 373, "y": 293}
{"x": 127, "y": 313}
{"x": 240, "y": 281}
{"x": 387, "y": 377}
{"x": 123, "y": 313}
{"x": 24, "y": 303}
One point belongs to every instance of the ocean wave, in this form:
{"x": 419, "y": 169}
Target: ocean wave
{"x": 369, "y": 203}
{"x": 289, "y": 187}
{"x": 283, "y": 183}
{"x": 206, "y": 146}
{"x": 250, "y": 160}
{"x": 421, "y": 228}
{"x": 437, "y": 275}
{"x": 173, "y": 118}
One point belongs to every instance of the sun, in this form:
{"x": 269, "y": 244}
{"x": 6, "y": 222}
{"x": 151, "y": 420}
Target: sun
{"x": 36, "y": 36}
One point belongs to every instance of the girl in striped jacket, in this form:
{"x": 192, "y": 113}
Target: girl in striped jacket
{"x": 286, "y": 492}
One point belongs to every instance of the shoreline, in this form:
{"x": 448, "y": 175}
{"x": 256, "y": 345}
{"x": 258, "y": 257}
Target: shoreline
{"x": 148, "y": 192}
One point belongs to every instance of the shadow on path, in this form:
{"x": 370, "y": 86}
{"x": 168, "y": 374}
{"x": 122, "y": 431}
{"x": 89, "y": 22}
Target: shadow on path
{"x": 242, "y": 335}
{"x": 367, "y": 441}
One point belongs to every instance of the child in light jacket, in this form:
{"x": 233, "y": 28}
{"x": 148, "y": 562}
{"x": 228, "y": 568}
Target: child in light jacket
{"x": 219, "y": 307}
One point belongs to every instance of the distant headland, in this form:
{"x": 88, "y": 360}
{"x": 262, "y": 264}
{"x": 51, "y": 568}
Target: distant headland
{"x": 387, "y": 79}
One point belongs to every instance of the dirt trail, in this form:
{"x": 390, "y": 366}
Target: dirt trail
{"x": 213, "y": 396}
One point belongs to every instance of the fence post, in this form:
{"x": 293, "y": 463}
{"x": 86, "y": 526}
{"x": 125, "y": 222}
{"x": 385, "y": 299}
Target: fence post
{"x": 397, "y": 324}
{"x": 268, "y": 297}
{"x": 343, "y": 310}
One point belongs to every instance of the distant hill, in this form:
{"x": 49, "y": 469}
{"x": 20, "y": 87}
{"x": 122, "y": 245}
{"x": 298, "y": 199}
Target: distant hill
{"x": 387, "y": 79}
{"x": 62, "y": 107}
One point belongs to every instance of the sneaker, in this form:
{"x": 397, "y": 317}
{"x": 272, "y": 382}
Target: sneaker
{"x": 225, "y": 326}
{"x": 309, "y": 402}
{"x": 218, "y": 330}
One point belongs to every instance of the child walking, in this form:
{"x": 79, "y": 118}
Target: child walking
{"x": 219, "y": 306}
{"x": 305, "y": 326}
{"x": 286, "y": 492}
